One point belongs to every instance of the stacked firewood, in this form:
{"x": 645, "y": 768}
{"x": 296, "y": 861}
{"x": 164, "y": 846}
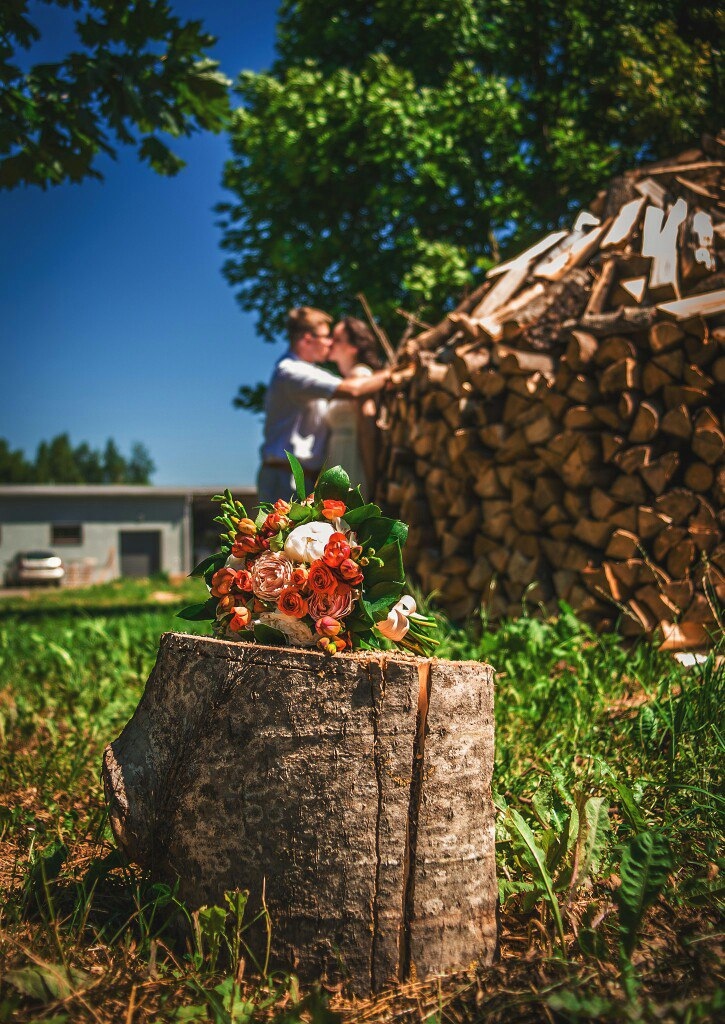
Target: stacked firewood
{"x": 562, "y": 436}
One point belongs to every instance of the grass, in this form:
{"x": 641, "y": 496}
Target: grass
{"x": 610, "y": 818}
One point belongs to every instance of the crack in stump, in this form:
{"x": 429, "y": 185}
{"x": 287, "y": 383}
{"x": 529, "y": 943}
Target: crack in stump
{"x": 411, "y": 831}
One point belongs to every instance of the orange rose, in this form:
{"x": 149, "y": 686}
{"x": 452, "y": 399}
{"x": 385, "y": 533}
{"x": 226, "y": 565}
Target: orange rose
{"x": 336, "y": 550}
{"x": 282, "y": 507}
{"x": 222, "y": 581}
{"x": 225, "y": 605}
{"x": 243, "y": 580}
{"x": 246, "y": 527}
{"x": 240, "y": 619}
{"x": 244, "y": 545}
{"x": 299, "y": 577}
{"x": 333, "y": 509}
{"x": 320, "y": 578}
{"x": 292, "y": 603}
{"x": 274, "y": 523}
{"x": 350, "y": 571}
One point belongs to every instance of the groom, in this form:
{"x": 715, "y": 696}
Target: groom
{"x": 296, "y": 403}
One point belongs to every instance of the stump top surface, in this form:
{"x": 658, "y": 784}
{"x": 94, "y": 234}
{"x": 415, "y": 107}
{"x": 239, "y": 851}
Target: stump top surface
{"x": 239, "y": 649}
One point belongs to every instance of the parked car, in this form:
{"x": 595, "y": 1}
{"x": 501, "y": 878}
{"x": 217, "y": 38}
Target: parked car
{"x": 35, "y": 567}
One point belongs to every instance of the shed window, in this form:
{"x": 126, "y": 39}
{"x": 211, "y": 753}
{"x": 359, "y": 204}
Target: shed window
{"x": 66, "y": 533}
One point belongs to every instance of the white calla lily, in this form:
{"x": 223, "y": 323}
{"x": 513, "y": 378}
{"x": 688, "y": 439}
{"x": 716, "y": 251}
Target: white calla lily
{"x": 397, "y": 624}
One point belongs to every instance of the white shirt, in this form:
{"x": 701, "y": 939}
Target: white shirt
{"x": 296, "y": 408}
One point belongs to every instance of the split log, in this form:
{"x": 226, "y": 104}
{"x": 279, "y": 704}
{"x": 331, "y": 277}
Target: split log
{"x": 351, "y": 795}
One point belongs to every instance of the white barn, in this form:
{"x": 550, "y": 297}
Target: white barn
{"x": 103, "y": 531}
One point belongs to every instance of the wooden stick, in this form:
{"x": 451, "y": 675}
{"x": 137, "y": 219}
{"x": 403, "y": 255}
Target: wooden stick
{"x": 378, "y": 331}
{"x": 414, "y": 320}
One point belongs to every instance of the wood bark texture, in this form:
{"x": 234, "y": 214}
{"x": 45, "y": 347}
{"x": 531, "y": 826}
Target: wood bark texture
{"x": 351, "y": 794}
{"x": 546, "y": 426}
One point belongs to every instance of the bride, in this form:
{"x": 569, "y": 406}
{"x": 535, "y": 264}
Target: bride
{"x": 351, "y": 442}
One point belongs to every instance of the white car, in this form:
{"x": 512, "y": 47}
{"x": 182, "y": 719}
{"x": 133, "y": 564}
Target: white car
{"x": 35, "y": 567}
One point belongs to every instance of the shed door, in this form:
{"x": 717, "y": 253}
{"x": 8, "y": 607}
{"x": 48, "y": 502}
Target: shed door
{"x": 140, "y": 552}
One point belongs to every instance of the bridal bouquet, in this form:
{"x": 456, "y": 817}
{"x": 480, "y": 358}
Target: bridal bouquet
{"x": 321, "y": 570}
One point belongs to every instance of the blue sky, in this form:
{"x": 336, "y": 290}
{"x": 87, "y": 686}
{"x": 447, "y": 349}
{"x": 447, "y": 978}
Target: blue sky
{"x": 116, "y": 320}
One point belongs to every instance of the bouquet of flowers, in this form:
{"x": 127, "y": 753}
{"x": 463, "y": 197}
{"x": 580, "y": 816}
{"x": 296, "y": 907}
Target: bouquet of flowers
{"x": 321, "y": 570}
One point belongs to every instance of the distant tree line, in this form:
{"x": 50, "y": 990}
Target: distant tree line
{"x": 58, "y": 462}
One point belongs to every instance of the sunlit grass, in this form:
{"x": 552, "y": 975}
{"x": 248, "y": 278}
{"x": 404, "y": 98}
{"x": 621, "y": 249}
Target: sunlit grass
{"x": 598, "y": 745}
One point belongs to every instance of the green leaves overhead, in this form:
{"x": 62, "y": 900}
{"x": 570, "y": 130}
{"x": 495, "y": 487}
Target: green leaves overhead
{"x": 399, "y": 148}
{"x": 137, "y": 72}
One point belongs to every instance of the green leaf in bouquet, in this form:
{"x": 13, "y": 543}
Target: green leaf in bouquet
{"x": 270, "y": 636}
{"x": 199, "y": 612}
{"x": 333, "y": 483}
{"x": 354, "y": 517}
{"x": 301, "y": 514}
{"x": 215, "y": 561}
{"x": 299, "y": 474}
{"x": 381, "y": 530}
{"x": 387, "y": 591}
{"x": 360, "y": 620}
{"x": 261, "y": 516}
{"x": 354, "y": 498}
{"x": 276, "y": 543}
{"x": 390, "y": 571}
{"x": 379, "y": 608}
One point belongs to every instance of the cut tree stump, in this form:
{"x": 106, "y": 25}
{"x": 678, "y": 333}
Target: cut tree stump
{"x": 351, "y": 794}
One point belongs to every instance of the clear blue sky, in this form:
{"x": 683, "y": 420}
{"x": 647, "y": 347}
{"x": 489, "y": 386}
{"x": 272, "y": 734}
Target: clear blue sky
{"x": 115, "y": 318}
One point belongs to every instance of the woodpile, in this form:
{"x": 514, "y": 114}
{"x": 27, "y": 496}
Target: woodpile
{"x": 561, "y": 438}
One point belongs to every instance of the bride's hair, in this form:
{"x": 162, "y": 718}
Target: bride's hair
{"x": 359, "y": 334}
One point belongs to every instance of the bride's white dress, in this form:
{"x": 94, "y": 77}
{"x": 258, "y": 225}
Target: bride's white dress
{"x": 342, "y": 443}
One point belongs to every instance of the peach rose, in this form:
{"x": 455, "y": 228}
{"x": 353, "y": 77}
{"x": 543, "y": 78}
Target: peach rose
{"x": 337, "y": 603}
{"x": 246, "y": 527}
{"x": 282, "y": 507}
{"x": 271, "y": 574}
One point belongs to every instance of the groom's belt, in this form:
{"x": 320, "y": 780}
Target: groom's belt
{"x": 284, "y": 464}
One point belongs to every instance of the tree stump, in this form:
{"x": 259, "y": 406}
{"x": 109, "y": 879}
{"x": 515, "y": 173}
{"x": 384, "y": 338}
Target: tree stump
{"x": 351, "y": 793}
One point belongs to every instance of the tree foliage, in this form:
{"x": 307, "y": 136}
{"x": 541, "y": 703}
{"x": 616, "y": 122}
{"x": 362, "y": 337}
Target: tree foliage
{"x": 399, "y": 147}
{"x": 138, "y": 73}
{"x": 58, "y": 462}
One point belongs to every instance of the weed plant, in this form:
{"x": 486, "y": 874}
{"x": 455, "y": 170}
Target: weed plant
{"x": 609, "y": 799}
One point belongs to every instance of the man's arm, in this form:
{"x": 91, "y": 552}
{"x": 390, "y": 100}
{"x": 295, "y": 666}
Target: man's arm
{"x": 358, "y": 387}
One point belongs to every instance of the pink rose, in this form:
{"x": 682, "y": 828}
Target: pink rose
{"x": 337, "y": 603}
{"x": 271, "y": 573}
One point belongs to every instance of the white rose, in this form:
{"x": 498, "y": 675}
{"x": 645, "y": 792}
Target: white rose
{"x": 307, "y": 542}
{"x": 235, "y": 563}
{"x": 397, "y": 623}
{"x": 298, "y": 632}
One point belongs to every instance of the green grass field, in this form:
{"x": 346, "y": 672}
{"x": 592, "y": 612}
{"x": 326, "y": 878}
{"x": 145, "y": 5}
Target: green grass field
{"x": 608, "y": 785}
